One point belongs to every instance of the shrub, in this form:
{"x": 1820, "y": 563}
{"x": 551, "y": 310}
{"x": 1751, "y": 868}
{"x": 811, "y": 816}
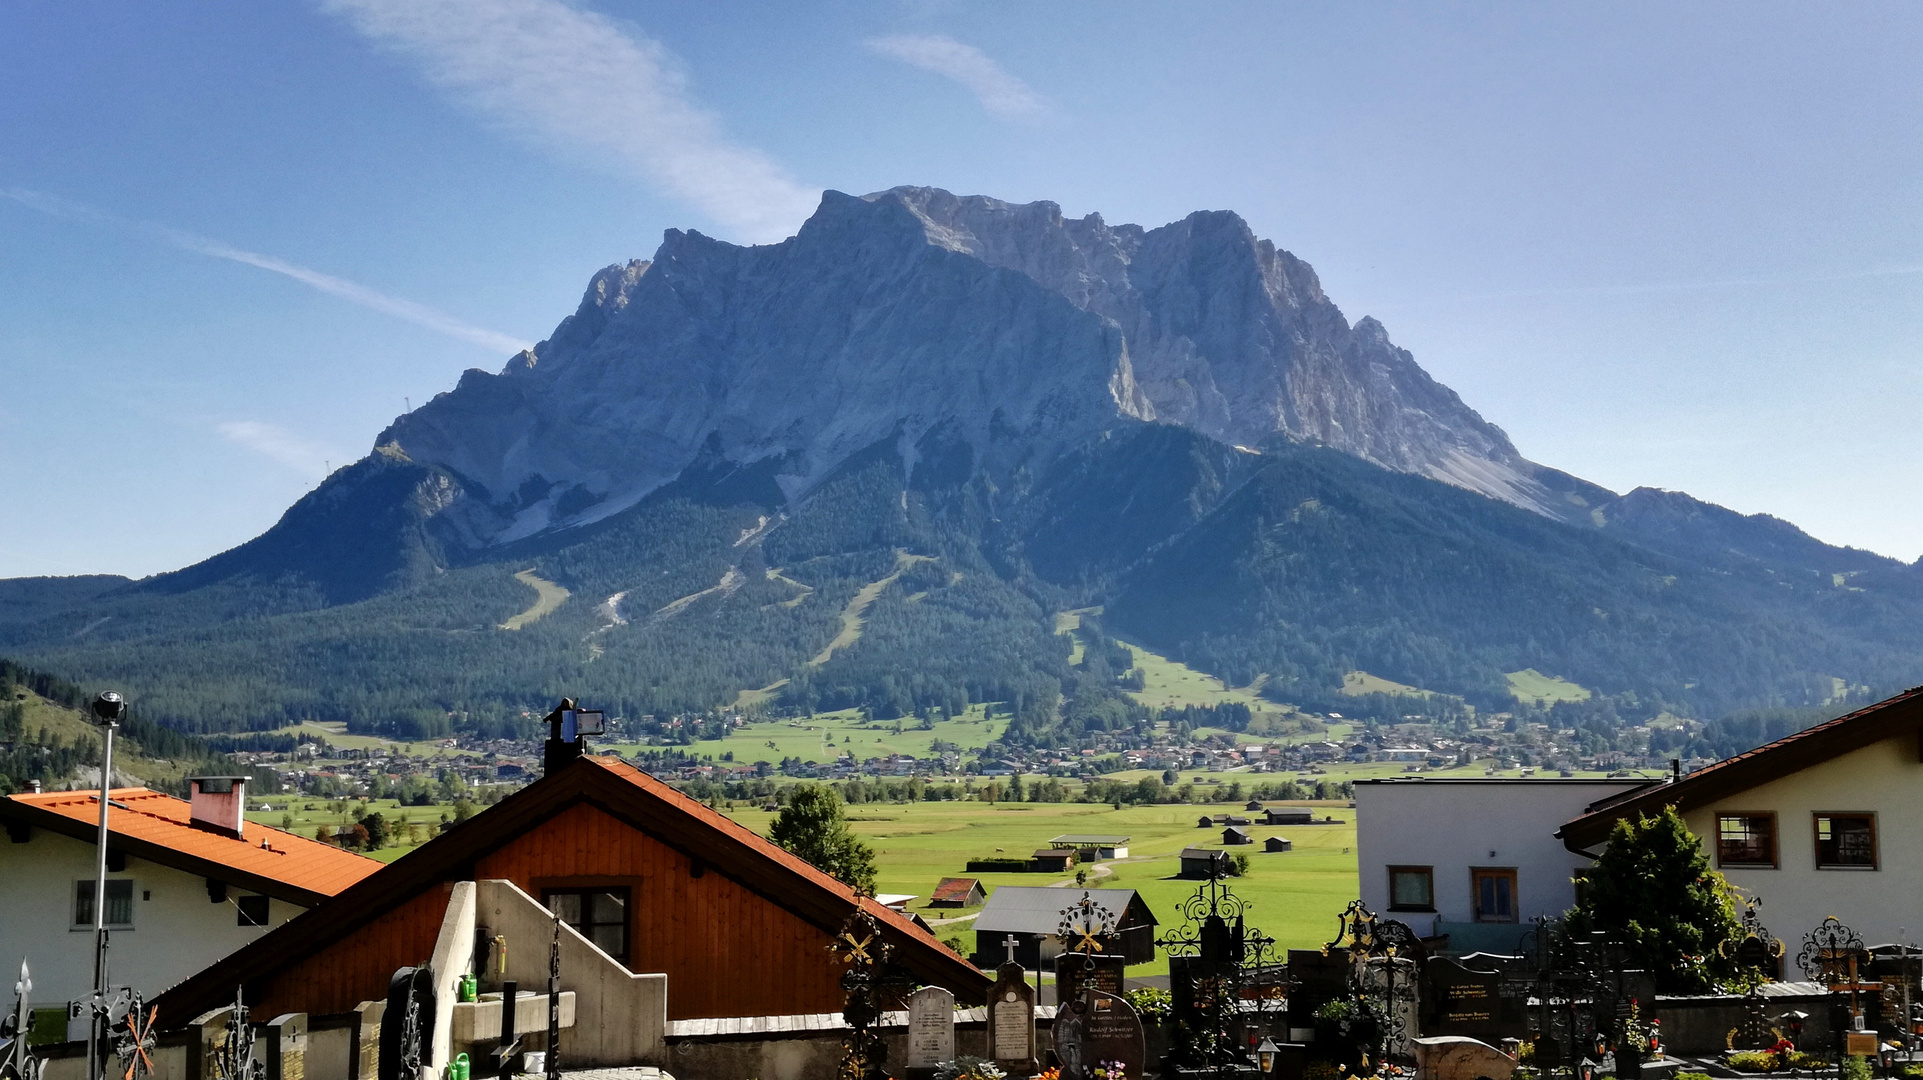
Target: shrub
{"x": 1856, "y": 1068}
{"x": 999, "y": 865}
{"x": 1154, "y": 1005}
{"x": 1321, "y": 1070}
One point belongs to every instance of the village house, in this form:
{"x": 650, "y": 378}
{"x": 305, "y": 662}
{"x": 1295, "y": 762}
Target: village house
{"x": 1828, "y": 821}
{"x": 1472, "y": 859}
{"x": 188, "y": 881}
{"x": 671, "y": 903}
{"x": 1824, "y": 822}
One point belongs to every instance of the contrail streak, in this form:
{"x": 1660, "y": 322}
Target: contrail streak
{"x": 419, "y": 314}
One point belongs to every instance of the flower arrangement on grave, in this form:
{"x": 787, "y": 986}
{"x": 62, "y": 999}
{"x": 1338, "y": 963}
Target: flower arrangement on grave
{"x": 1050, "y": 1073}
{"x": 1111, "y": 1070}
{"x": 1644, "y": 1037}
{"x": 969, "y": 1068}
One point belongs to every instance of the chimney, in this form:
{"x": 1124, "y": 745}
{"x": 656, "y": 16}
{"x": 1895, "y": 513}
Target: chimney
{"x": 33, "y": 787}
{"x": 217, "y": 803}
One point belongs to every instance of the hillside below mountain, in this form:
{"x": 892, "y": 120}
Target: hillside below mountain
{"x": 45, "y": 737}
{"x": 867, "y": 465}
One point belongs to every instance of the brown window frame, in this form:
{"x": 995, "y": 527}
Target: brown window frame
{"x": 1428, "y": 872}
{"x": 585, "y": 894}
{"x": 1816, "y": 839}
{"x": 1775, "y": 841}
{"x": 1476, "y": 874}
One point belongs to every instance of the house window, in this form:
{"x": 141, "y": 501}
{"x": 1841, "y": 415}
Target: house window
{"x": 601, "y": 915}
{"x": 1746, "y": 840}
{"x": 253, "y": 911}
{"x": 1495, "y": 892}
{"x": 120, "y": 904}
{"x": 1846, "y": 841}
{"x": 1412, "y": 888}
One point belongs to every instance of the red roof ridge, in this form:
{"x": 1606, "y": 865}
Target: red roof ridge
{"x": 723, "y": 822}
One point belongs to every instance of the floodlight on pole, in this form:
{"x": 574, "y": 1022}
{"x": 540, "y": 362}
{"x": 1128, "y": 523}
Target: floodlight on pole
{"x": 108, "y": 709}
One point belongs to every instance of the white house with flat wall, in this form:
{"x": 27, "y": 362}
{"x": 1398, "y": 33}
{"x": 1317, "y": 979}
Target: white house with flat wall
{"x": 1828, "y": 821}
{"x": 188, "y": 881}
{"x": 1474, "y": 859}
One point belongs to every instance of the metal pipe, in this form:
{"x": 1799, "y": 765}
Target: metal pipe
{"x": 94, "y": 1057}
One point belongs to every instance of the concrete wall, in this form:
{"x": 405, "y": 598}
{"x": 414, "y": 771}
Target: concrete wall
{"x": 808, "y": 1055}
{"x": 176, "y": 929}
{"x": 1701, "y": 1025}
{"x": 622, "y": 1017}
{"x": 1456, "y": 825}
{"x": 1879, "y": 904}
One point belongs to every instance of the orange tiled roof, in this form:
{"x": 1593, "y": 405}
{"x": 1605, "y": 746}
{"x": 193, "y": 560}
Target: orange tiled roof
{"x": 156, "y": 824}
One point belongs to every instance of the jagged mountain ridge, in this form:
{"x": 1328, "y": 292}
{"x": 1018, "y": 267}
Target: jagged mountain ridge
{"x": 913, "y": 313}
{"x": 1011, "y": 412}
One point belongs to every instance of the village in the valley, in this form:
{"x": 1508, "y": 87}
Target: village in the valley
{"x": 594, "y": 913}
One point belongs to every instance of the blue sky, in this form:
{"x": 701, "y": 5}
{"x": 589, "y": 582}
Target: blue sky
{"x": 1673, "y": 245}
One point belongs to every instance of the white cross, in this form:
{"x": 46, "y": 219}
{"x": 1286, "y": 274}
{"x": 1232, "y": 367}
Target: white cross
{"x": 1009, "y": 944}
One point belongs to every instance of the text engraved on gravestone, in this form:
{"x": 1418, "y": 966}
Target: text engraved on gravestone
{"x": 931, "y": 1027}
{"x": 1112, "y": 1035}
{"x": 1011, "y": 1020}
{"x": 1075, "y": 973}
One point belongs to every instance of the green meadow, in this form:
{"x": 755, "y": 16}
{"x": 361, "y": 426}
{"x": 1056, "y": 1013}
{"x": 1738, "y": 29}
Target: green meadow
{"x": 1294, "y": 895}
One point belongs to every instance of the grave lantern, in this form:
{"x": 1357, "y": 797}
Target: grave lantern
{"x": 1265, "y": 1056}
{"x": 1794, "y": 1020}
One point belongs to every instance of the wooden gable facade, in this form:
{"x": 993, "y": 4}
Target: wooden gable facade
{"x": 739, "y": 926}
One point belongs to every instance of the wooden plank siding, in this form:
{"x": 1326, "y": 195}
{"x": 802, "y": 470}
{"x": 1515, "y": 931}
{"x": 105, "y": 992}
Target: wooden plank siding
{"x": 357, "y": 967}
{"x": 727, "y": 950}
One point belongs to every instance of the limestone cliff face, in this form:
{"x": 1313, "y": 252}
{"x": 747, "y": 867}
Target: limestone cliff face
{"x": 910, "y": 313}
{"x": 1233, "y": 337}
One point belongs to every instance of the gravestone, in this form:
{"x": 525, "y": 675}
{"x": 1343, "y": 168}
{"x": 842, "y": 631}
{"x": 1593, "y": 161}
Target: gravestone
{"x": 1316, "y": 979}
{"x": 931, "y": 1027}
{"x": 286, "y": 1039}
{"x": 1075, "y": 972}
{"x": 1011, "y": 1021}
{"x": 1460, "y": 1000}
{"x": 1112, "y": 1032}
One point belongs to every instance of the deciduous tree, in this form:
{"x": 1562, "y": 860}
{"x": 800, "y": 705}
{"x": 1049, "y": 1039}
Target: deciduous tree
{"x": 813, "y": 827}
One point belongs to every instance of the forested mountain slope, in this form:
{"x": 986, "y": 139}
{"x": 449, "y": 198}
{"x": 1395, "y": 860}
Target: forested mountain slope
{"x": 869, "y": 464}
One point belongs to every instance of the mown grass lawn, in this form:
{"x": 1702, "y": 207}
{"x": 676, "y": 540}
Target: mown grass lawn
{"x": 1294, "y": 896}
{"x": 309, "y": 814}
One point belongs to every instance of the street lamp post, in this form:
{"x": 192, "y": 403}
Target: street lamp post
{"x": 108, "y": 708}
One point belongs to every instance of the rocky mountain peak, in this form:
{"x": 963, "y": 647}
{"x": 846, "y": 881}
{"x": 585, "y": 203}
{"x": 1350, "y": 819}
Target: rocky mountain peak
{"x": 1007, "y": 328}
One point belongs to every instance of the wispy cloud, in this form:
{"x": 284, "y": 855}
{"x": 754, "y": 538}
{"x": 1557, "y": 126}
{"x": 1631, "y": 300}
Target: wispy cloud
{"x": 999, "y": 92}
{"x": 1701, "y": 285}
{"x": 418, "y": 314}
{"x": 555, "y": 74}
{"x": 280, "y": 445}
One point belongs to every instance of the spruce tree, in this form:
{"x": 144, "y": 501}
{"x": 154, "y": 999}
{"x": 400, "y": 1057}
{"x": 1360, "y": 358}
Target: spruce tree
{"x": 1653, "y": 890}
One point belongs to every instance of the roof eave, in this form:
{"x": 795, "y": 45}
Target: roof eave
{"x": 42, "y": 818}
